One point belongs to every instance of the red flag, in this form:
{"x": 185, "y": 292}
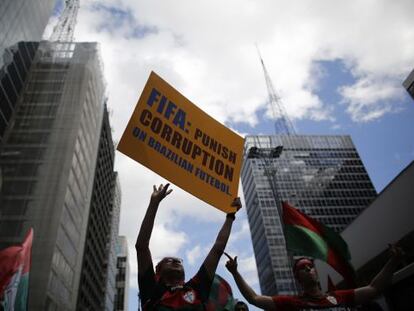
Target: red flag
{"x": 307, "y": 237}
{"x": 14, "y": 274}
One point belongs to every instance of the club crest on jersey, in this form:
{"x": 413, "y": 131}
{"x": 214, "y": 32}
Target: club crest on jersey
{"x": 189, "y": 296}
{"x": 332, "y": 300}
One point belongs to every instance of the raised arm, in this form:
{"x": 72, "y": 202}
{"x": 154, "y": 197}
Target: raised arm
{"x": 263, "y": 302}
{"x": 381, "y": 280}
{"x": 144, "y": 235}
{"x": 213, "y": 257}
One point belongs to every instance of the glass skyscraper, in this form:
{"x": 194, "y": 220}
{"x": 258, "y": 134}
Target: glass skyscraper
{"x": 20, "y": 20}
{"x": 111, "y": 289}
{"x": 323, "y": 176}
{"x": 49, "y": 161}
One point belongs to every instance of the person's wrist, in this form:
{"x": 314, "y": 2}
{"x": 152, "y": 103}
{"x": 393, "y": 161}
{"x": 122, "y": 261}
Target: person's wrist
{"x": 231, "y": 216}
{"x": 154, "y": 201}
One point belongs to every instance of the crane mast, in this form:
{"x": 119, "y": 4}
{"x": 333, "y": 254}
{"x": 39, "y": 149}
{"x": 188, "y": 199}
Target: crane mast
{"x": 65, "y": 28}
{"x": 283, "y": 125}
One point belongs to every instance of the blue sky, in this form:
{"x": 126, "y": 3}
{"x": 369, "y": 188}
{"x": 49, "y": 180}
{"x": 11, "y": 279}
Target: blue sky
{"x": 385, "y": 145}
{"x": 337, "y": 65}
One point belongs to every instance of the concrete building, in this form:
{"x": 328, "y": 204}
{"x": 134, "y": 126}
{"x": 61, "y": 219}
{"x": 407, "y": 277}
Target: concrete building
{"x": 98, "y": 267}
{"x": 122, "y": 276}
{"x": 322, "y": 176}
{"x": 111, "y": 290}
{"x": 49, "y": 162}
{"x": 20, "y": 20}
{"x": 389, "y": 219}
{"x": 409, "y": 84}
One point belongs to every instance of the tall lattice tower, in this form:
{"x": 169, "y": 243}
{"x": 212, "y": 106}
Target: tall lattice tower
{"x": 283, "y": 125}
{"x": 65, "y": 28}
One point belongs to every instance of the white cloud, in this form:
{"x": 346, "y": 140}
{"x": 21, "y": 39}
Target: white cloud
{"x": 368, "y": 100}
{"x": 209, "y": 54}
{"x": 242, "y": 233}
{"x": 49, "y": 28}
{"x": 246, "y": 267}
{"x": 193, "y": 254}
{"x": 164, "y": 242}
{"x": 336, "y": 127}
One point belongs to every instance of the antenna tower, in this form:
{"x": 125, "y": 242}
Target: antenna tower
{"x": 283, "y": 125}
{"x": 64, "y": 29}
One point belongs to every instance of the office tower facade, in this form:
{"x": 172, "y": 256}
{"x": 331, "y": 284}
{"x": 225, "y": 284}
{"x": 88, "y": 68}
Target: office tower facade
{"x": 48, "y": 162}
{"x": 323, "y": 176}
{"x": 99, "y": 256}
{"x": 110, "y": 291}
{"x": 20, "y": 20}
{"x": 409, "y": 84}
{"x": 122, "y": 276}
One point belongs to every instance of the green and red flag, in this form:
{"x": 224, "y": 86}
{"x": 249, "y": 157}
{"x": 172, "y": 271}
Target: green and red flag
{"x": 221, "y": 296}
{"x": 14, "y": 274}
{"x": 307, "y": 237}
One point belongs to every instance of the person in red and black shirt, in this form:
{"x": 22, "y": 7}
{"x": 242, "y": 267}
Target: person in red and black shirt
{"x": 312, "y": 296}
{"x": 165, "y": 288}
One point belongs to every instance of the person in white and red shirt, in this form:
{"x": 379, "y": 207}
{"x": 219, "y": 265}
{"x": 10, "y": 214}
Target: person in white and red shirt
{"x": 312, "y": 297}
{"x": 165, "y": 288}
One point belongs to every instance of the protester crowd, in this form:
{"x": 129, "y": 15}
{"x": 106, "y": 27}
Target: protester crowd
{"x": 165, "y": 287}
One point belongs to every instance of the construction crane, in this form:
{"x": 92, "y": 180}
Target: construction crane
{"x": 270, "y": 155}
{"x": 65, "y": 28}
{"x": 283, "y": 125}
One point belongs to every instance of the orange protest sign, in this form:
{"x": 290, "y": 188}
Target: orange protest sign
{"x": 174, "y": 138}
